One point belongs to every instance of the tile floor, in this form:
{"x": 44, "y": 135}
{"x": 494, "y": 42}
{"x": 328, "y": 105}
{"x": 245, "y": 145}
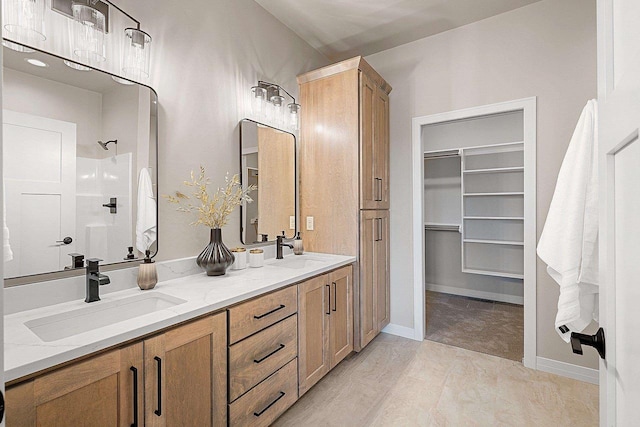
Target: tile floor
{"x": 485, "y": 326}
{"x": 400, "y": 382}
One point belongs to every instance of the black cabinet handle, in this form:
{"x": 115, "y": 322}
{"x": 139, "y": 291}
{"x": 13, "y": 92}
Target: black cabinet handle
{"x": 135, "y": 396}
{"x": 158, "y": 411}
{"x": 269, "y": 355}
{"x": 270, "y": 312}
{"x": 328, "y": 300}
{"x": 335, "y": 295}
{"x": 280, "y": 396}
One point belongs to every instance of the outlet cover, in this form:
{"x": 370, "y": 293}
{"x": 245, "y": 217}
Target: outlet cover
{"x": 309, "y": 223}
{"x": 292, "y": 222}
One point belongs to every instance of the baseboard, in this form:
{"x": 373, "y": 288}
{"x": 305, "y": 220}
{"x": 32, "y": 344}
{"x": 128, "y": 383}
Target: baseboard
{"x": 401, "y": 331}
{"x": 512, "y": 299}
{"x": 568, "y": 370}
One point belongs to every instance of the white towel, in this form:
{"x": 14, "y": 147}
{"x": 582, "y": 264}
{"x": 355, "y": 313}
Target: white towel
{"x": 569, "y": 241}
{"x": 6, "y": 247}
{"x": 146, "y": 223}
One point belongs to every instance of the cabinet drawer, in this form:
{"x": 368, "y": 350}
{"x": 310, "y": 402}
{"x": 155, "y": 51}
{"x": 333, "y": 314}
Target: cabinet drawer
{"x": 252, "y": 316}
{"x": 257, "y": 357}
{"x": 262, "y": 405}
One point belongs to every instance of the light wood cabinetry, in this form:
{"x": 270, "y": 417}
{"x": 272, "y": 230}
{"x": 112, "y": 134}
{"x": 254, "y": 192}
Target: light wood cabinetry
{"x": 179, "y": 377}
{"x": 374, "y": 273}
{"x": 325, "y": 333}
{"x": 344, "y": 170}
{"x": 186, "y": 374}
{"x": 95, "y": 392}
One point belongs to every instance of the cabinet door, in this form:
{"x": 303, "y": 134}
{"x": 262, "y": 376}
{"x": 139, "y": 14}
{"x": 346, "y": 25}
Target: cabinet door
{"x": 186, "y": 375}
{"x": 381, "y": 256}
{"x": 381, "y": 148}
{"x": 96, "y": 392}
{"x": 341, "y": 317}
{"x": 368, "y": 233}
{"x": 369, "y": 186}
{"x": 313, "y": 331}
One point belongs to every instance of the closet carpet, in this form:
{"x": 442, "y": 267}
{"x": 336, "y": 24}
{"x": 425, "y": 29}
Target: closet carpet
{"x": 399, "y": 382}
{"x": 489, "y": 327}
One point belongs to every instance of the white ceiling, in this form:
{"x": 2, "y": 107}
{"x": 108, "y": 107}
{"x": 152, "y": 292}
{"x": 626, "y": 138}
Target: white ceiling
{"x": 344, "y": 28}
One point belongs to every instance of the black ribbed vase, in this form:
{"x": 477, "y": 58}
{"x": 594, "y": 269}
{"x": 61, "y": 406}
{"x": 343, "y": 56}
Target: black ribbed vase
{"x": 216, "y": 257}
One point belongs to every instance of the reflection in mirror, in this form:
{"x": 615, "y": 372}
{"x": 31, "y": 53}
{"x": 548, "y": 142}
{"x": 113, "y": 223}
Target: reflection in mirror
{"x": 79, "y": 166}
{"x": 267, "y": 160}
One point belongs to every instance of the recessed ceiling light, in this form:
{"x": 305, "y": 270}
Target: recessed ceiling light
{"x": 76, "y": 66}
{"x": 36, "y": 62}
{"x": 17, "y": 47}
{"x": 122, "y": 81}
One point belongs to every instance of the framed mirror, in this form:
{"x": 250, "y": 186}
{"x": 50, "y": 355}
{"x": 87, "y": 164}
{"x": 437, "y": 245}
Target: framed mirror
{"x": 267, "y": 160}
{"x": 79, "y": 166}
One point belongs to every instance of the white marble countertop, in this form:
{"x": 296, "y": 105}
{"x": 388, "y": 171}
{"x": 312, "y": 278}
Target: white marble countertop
{"x": 25, "y": 353}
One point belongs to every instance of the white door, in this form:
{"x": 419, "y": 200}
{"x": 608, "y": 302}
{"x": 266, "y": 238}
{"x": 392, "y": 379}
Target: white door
{"x": 619, "y": 162}
{"x": 40, "y": 197}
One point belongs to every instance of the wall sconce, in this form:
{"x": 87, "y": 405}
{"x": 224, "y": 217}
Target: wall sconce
{"x": 267, "y": 103}
{"x": 24, "y": 20}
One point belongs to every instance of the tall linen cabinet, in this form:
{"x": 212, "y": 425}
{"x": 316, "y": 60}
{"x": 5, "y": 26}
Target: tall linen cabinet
{"x": 344, "y": 180}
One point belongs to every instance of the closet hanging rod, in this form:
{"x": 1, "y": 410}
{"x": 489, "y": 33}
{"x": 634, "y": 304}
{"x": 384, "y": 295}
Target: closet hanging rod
{"x": 441, "y": 154}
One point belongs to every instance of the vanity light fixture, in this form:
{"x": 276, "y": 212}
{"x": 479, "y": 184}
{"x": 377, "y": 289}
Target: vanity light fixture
{"x": 267, "y": 103}
{"x": 24, "y": 21}
{"x": 88, "y": 33}
{"x": 136, "y": 54}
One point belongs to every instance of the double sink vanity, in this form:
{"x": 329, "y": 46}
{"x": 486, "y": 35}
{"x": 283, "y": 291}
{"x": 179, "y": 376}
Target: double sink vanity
{"x": 196, "y": 350}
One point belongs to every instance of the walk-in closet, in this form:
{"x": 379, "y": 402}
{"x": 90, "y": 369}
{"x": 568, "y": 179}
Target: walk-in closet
{"x": 474, "y": 233}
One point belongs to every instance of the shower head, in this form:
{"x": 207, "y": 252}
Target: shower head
{"x": 104, "y": 144}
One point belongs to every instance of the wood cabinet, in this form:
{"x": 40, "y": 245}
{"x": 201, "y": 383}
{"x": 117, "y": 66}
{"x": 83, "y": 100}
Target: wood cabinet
{"x": 374, "y": 273}
{"x": 95, "y": 392}
{"x": 344, "y": 170}
{"x": 178, "y": 377}
{"x": 186, "y": 374}
{"x": 325, "y": 329}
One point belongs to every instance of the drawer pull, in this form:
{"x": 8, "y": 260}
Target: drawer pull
{"x": 270, "y": 354}
{"x": 257, "y": 414}
{"x": 269, "y": 312}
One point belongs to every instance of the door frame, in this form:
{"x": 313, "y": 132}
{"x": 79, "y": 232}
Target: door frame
{"x": 528, "y": 106}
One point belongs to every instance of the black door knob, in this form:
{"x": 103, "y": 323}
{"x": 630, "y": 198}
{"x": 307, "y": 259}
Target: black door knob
{"x": 67, "y": 240}
{"x": 596, "y": 341}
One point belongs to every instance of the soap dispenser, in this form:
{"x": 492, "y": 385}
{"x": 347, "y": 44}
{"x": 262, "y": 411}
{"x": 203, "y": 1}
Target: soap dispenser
{"x": 147, "y": 274}
{"x": 298, "y": 248}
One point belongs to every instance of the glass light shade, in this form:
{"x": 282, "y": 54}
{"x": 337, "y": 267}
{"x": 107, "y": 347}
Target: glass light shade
{"x": 278, "y": 110}
{"x": 75, "y": 66}
{"x": 294, "y": 116}
{"x": 88, "y": 33}
{"x": 24, "y": 20}
{"x": 258, "y": 101}
{"x": 17, "y": 47}
{"x": 136, "y": 54}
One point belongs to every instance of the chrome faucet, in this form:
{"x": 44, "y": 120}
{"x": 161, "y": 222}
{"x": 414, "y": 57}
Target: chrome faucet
{"x": 94, "y": 280}
{"x": 280, "y": 244}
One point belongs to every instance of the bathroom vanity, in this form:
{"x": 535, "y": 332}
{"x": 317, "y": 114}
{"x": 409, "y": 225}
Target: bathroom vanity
{"x": 207, "y": 351}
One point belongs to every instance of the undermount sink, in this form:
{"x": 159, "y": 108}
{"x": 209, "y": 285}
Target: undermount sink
{"x": 99, "y": 314}
{"x": 298, "y": 262}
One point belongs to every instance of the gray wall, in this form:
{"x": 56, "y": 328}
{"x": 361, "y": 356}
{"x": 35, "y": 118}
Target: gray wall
{"x": 206, "y": 56}
{"x": 548, "y": 50}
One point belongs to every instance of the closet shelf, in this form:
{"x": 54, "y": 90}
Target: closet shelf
{"x": 494, "y": 273}
{"x": 495, "y": 242}
{"x": 494, "y": 170}
{"x": 432, "y": 226}
{"x": 499, "y": 218}
{"x": 518, "y": 193}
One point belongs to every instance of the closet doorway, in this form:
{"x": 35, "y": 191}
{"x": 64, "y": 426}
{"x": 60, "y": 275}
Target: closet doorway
{"x": 478, "y": 228}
